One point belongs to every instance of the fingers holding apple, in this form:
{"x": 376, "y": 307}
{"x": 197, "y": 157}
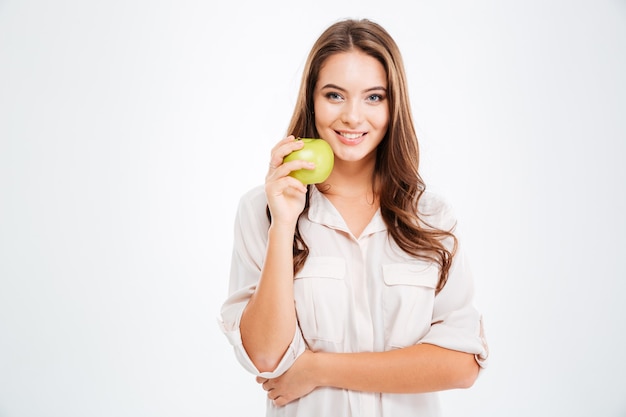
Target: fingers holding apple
{"x": 316, "y": 151}
{"x": 282, "y": 148}
{"x": 293, "y": 165}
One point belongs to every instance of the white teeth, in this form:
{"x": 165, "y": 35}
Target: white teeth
{"x": 352, "y": 135}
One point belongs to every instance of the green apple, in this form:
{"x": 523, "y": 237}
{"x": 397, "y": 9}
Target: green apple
{"x": 317, "y": 151}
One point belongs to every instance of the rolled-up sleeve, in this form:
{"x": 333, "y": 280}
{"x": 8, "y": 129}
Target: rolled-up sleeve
{"x": 250, "y": 239}
{"x": 457, "y": 324}
{"x": 229, "y": 324}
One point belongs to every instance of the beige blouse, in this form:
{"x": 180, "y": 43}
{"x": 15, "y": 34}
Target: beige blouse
{"x": 356, "y": 295}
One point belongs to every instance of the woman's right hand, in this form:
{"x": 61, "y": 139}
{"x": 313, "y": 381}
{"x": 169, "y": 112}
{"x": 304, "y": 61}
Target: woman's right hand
{"x": 285, "y": 195}
{"x": 269, "y": 321}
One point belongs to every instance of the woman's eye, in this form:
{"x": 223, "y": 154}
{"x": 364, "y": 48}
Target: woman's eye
{"x": 333, "y": 96}
{"x": 375, "y": 98}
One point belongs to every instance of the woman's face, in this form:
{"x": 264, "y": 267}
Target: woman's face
{"x": 351, "y": 108}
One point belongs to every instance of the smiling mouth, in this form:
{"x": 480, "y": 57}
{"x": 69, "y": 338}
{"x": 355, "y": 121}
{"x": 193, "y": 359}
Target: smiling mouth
{"x": 350, "y": 136}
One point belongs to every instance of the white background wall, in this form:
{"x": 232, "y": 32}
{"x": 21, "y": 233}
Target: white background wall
{"x": 129, "y": 128}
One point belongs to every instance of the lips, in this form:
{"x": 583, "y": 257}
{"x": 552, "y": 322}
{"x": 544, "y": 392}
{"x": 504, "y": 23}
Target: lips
{"x": 349, "y": 138}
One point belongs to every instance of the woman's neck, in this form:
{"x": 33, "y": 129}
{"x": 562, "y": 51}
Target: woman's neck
{"x": 349, "y": 179}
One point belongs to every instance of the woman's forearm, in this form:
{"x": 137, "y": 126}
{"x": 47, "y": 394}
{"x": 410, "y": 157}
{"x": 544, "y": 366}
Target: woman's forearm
{"x": 414, "y": 369}
{"x": 269, "y": 321}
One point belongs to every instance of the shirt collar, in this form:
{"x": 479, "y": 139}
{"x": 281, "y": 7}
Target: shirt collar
{"x": 322, "y": 211}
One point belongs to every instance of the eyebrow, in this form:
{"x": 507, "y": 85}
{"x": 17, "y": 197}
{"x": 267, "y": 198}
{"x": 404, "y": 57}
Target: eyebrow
{"x": 367, "y": 90}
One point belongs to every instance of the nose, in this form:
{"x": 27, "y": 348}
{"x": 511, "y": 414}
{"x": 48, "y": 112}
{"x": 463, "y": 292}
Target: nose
{"x": 352, "y": 113}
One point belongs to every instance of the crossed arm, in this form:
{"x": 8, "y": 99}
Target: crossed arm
{"x": 415, "y": 369}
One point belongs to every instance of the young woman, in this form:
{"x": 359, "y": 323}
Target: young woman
{"x": 352, "y": 297}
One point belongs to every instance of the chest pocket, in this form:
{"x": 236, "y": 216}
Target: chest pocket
{"x": 321, "y": 299}
{"x": 408, "y": 300}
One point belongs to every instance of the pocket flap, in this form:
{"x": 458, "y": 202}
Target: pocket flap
{"x": 422, "y": 274}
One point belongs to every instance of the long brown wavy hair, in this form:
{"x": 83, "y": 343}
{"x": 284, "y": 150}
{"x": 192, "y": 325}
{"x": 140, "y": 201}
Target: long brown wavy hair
{"x": 397, "y": 156}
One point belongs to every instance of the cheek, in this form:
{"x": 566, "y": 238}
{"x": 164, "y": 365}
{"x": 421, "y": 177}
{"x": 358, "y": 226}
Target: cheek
{"x": 324, "y": 115}
{"x": 380, "y": 119}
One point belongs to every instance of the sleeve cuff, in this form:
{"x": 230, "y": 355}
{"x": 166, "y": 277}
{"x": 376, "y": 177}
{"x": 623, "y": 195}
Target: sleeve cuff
{"x": 295, "y": 349}
{"x": 456, "y": 338}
